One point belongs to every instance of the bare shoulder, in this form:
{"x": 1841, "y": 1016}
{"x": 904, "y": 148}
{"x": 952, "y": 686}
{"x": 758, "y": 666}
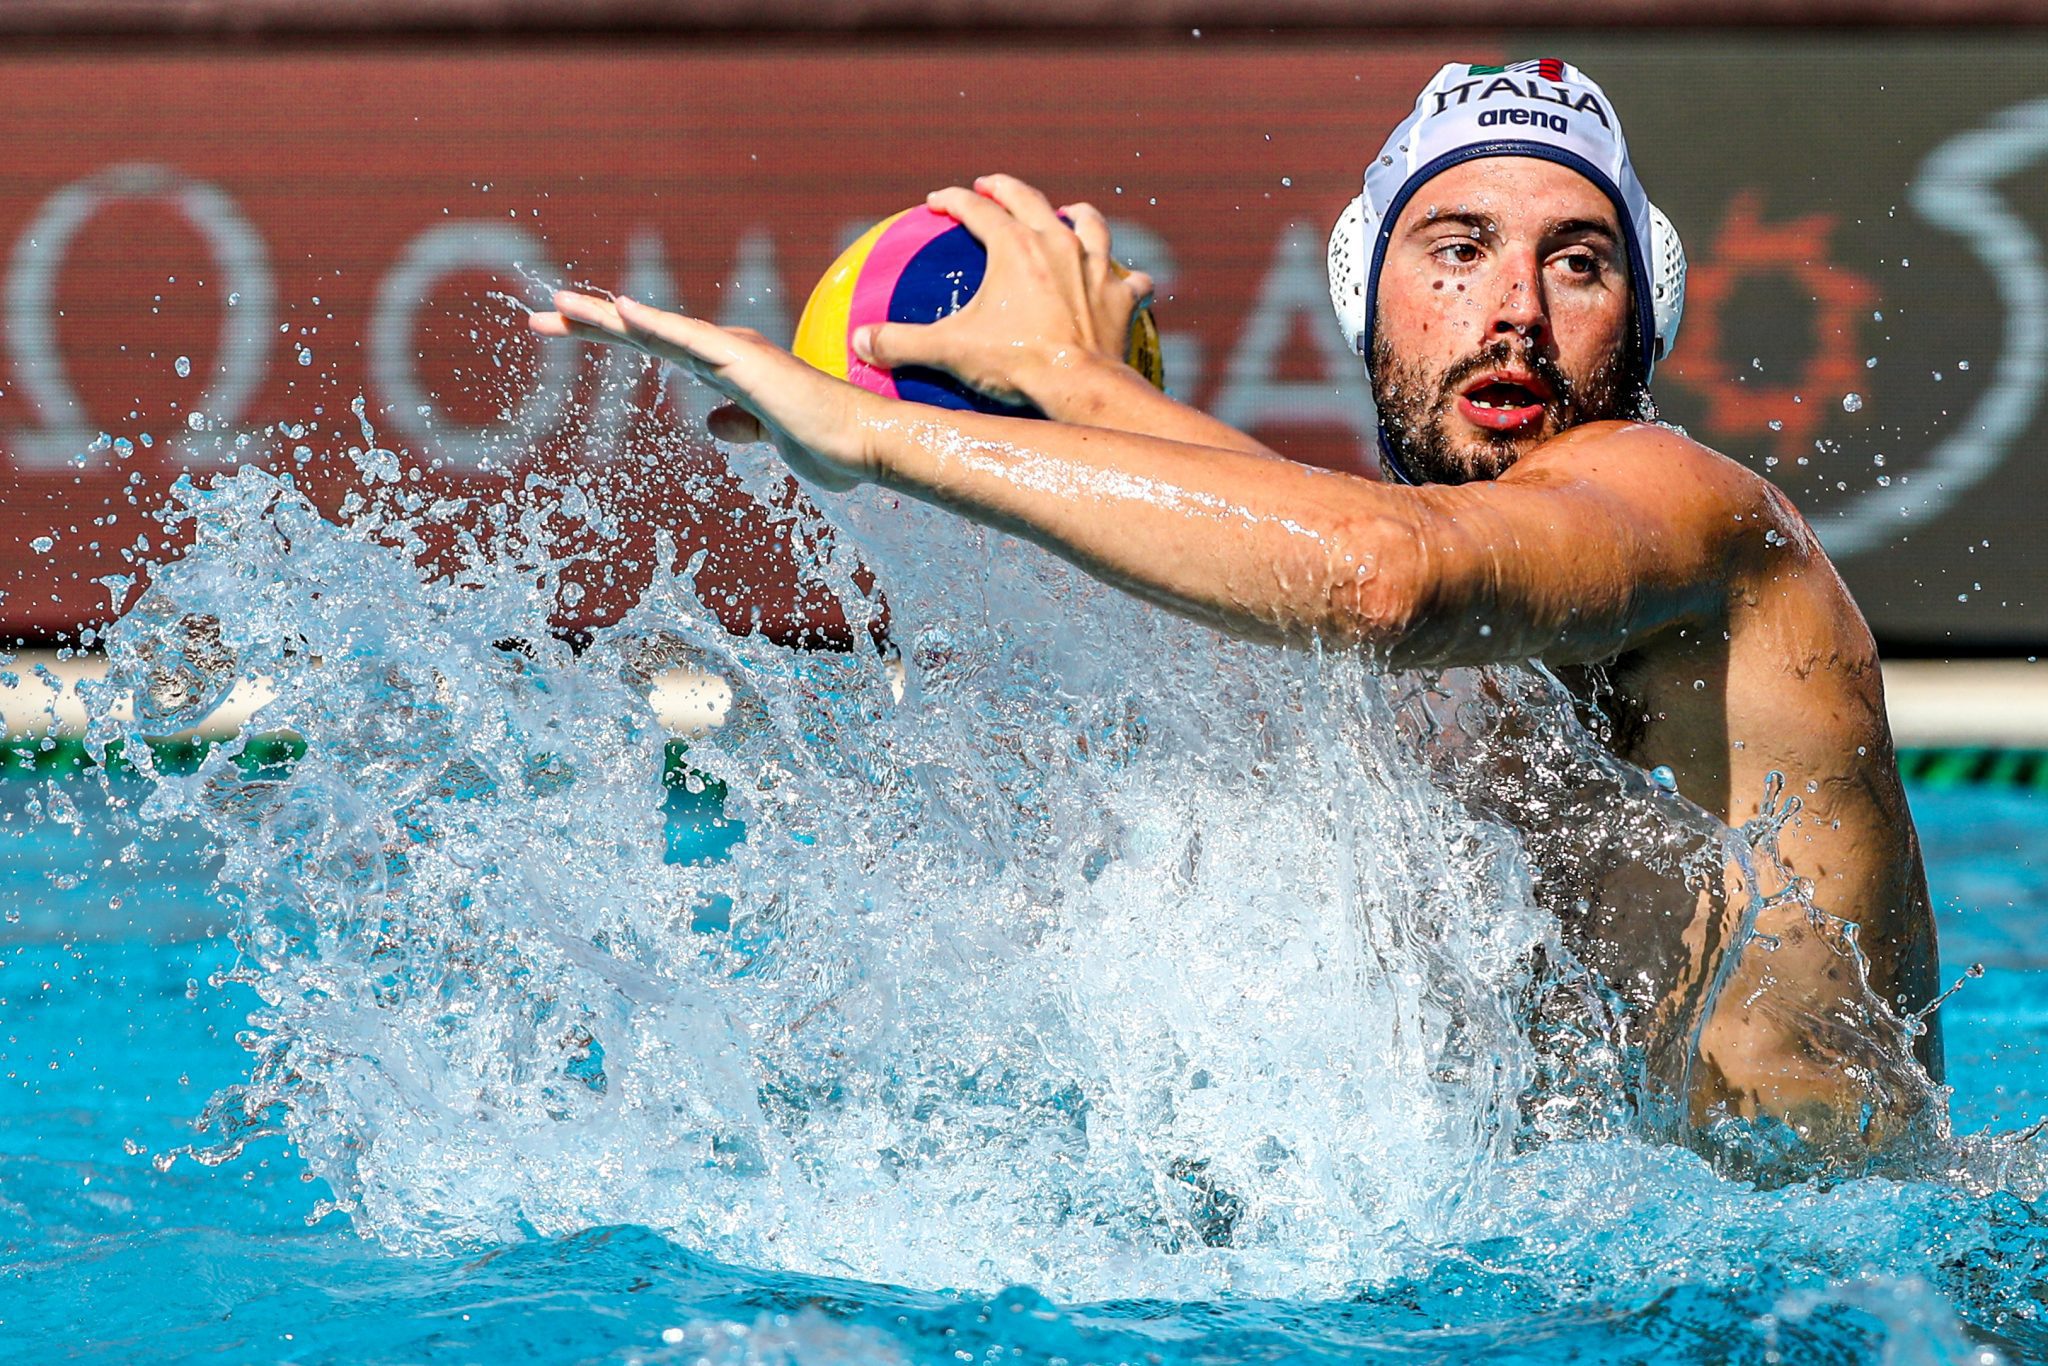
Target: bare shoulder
{"x": 1627, "y": 454}
{"x": 1712, "y": 520}
{"x": 1668, "y": 480}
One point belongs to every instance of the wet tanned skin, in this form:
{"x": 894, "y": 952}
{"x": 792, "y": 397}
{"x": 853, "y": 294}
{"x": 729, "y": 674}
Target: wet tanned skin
{"x": 1766, "y": 664}
{"x": 1693, "y": 585}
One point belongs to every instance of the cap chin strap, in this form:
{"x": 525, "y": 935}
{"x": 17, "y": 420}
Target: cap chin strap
{"x": 1393, "y": 464}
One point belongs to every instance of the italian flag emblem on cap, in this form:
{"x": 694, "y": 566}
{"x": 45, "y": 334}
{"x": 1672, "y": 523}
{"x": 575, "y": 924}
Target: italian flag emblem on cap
{"x": 1549, "y": 68}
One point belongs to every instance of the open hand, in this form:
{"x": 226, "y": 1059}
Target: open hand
{"x": 815, "y": 421}
{"x": 1053, "y": 296}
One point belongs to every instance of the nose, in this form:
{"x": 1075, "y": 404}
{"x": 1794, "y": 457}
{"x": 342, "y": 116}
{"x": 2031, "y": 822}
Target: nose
{"x": 1520, "y": 308}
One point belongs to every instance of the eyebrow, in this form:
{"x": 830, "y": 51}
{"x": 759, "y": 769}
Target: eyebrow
{"x": 1479, "y": 222}
{"x": 1564, "y": 227}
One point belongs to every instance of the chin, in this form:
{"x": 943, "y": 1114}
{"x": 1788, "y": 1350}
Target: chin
{"x": 1472, "y": 457}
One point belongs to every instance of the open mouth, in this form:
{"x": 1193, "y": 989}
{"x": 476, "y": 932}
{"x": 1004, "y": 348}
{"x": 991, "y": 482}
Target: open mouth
{"x": 1504, "y": 403}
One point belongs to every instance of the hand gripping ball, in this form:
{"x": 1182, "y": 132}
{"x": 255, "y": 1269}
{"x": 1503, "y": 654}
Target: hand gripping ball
{"x": 917, "y": 267}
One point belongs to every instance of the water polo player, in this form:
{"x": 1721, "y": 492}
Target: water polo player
{"x": 1511, "y": 289}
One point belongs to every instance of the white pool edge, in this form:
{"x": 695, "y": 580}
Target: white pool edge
{"x": 1932, "y": 703}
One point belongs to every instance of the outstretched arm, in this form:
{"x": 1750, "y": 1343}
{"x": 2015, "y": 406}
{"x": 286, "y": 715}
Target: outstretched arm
{"x": 1604, "y": 536}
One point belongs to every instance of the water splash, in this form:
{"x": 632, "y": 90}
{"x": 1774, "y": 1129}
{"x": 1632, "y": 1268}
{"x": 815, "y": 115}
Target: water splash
{"x": 1070, "y": 943}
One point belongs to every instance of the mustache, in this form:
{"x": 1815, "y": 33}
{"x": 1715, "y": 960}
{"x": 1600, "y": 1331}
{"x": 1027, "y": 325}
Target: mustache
{"x": 1500, "y": 353}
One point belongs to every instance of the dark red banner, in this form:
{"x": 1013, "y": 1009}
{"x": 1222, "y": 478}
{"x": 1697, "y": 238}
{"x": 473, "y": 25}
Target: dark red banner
{"x": 210, "y": 257}
{"x": 208, "y": 248}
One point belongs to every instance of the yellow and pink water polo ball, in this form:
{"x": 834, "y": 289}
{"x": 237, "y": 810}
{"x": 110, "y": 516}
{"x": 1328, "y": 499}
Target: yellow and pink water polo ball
{"x": 919, "y": 266}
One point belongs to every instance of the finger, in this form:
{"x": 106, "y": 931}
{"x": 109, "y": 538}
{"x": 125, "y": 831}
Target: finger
{"x": 1091, "y": 227}
{"x": 1030, "y": 207}
{"x": 675, "y": 335}
{"x": 892, "y": 344}
{"x": 589, "y": 318}
{"x": 731, "y": 423}
{"x": 588, "y": 309}
{"x": 1140, "y": 285}
{"x": 986, "y": 219}
{"x": 556, "y": 325}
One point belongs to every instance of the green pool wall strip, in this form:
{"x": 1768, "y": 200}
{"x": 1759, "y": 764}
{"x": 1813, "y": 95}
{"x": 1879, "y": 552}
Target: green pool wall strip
{"x": 1976, "y": 766}
{"x": 34, "y": 757}
{"x": 58, "y": 756}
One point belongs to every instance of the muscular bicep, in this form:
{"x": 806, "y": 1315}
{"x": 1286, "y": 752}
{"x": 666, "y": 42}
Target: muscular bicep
{"x": 1584, "y": 549}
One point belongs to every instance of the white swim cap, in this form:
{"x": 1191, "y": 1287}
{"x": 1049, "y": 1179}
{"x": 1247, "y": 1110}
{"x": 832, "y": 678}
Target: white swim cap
{"x": 1546, "y": 109}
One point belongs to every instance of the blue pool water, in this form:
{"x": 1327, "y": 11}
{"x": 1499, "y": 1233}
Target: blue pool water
{"x": 1088, "y": 987}
{"x": 112, "y": 1038}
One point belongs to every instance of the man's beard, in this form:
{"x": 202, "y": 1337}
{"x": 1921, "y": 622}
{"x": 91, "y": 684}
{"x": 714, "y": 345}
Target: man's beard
{"x": 1415, "y": 413}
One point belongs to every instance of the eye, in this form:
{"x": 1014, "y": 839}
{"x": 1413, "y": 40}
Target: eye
{"x": 1458, "y": 252}
{"x": 1583, "y": 265}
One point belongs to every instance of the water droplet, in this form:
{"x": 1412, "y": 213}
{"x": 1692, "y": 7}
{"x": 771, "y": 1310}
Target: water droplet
{"x": 183, "y": 365}
{"x": 196, "y": 421}
{"x": 1777, "y": 424}
{"x": 305, "y": 355}
{"x": 1699, "y": 685}
{"x": 1962, "y": 365}
{"x": 41, "y": 545}
{"x": 1852, "y": 403}
{"x": 1870, "y": 362}
{"x": 1663, "y": 777}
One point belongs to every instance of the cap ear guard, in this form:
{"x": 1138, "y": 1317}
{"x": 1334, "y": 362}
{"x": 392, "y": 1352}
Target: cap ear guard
{"x": 1347, "y": 258}
{"x": 1347, "y": 273}
{"x": 1667, "y": 284}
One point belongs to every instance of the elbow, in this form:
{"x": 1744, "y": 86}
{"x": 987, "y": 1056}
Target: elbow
{"x": 1379, "y": 595}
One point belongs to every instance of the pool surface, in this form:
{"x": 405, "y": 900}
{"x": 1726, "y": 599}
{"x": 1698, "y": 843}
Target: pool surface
{"x": 113, "y": 1039}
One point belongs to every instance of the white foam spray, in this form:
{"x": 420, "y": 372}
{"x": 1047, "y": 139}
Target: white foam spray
{"x": 1113, "y": 956}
